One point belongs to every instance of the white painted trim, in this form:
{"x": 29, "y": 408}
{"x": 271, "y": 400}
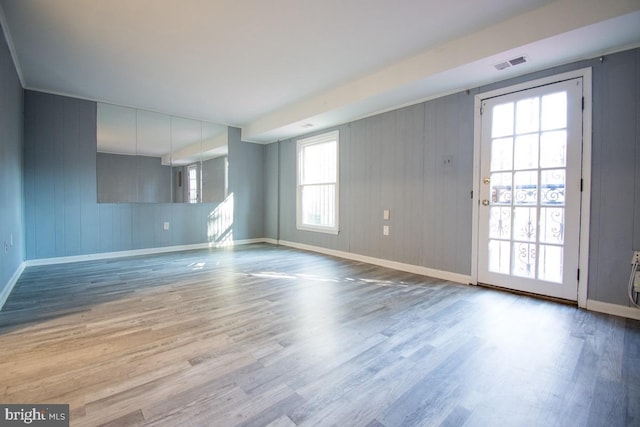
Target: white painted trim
{"x": 530, "y": 84}
{"x": 585, "y": 202}
{"x": 136, "y": 252}
{"x": 613, "y": 309}
{"x": 270, "y": 241}
{"x": 410, "y": 268}
{"x": 585, "y": 211}
{"x": 475, "y": 201}
{"x": 8, "y": 287}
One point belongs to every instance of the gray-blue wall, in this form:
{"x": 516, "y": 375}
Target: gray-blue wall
{"x": 11, "y": 205}
{"x": 395, "y": 161}
{"x": 62, "y": 216}
{"x": 246, "y": 177}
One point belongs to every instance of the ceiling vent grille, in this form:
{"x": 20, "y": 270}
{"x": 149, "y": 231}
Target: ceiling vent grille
{"x": 511, "y": 63}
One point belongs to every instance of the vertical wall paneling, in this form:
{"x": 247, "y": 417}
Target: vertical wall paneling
{"x": 363, "y": 148}
{"x": 389, "y": 183}
{"x": 596, "y": 180}
{"x": 287, "y": 220}
{"x": 429, "y": 226}
{"x": 11, "y": 171}
{"x": 410, "y": 135}
{"x": 246, "y": 182}
{"x": 360, "y": 199}
{"x": 615, "y": 201}
{"x": 636, "y": 220}
{"x": 418, "y": 162}
{"x": 463, "y": 166}
{"x": 271, "y": 198}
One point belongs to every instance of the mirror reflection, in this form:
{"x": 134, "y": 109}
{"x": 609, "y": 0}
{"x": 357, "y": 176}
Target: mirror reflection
{"x": 148, "y": 157}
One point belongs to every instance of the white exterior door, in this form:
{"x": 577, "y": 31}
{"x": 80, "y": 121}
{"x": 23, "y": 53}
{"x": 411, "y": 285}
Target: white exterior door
{"x": 530, "y": 184}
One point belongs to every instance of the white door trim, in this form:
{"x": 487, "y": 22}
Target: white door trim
{"x": 585, "y": 200}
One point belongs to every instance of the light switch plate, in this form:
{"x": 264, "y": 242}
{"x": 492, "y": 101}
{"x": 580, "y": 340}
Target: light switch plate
{"x": 385, "y": 214}
{"x": 385, "y": 230}
{"x": 166, "y": 226}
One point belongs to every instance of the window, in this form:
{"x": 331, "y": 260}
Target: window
{"x": 193, "y": 183}
{"x": 317, "y": 195}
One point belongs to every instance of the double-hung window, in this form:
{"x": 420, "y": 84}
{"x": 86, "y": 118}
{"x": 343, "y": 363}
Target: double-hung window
{"x": 317, "y": 183}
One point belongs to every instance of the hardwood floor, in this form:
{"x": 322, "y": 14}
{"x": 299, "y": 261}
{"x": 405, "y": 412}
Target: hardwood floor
{"x": 264, "y": 335}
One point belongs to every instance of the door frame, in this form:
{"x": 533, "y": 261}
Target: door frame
{"x": 585, "y": 199}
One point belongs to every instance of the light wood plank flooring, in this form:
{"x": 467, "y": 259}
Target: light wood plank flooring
{"x": 263, "y": 335}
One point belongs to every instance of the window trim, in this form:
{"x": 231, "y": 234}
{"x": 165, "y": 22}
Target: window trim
{"x": 300, "y": 145}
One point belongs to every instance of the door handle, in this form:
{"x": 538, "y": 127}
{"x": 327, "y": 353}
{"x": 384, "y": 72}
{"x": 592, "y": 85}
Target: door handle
{"x": 485, "y": 202}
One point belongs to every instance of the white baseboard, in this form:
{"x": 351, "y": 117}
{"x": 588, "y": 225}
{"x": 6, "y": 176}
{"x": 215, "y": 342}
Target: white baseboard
{"x": 10, "y": 284}
{"x": 136, "y": 252}
{"x": 615, "y": 309}
{"x": 409, "y": 268}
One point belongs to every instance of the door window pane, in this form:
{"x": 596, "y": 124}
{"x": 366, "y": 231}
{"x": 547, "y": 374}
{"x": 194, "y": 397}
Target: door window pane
{"x": 501, "y": 154}
{"x": 526, "y": 152}
{"x": 499, "y": 256}
{"x": 501, "y": 188}
{"x": 526, "y": 188}
{"x": 553, "y": 186}
{"x": 553, "y": 149}
{"x": 554, "y": 111}
{"x": 527, "y": 115}
{"x": 550, "y": 268}
{"x": 524, "y": 260}
{"x": 502, "y": 123}
{"x": 500, "y": 223}
{"x": 552, "y": 225}
{"x": 524, "y": 224}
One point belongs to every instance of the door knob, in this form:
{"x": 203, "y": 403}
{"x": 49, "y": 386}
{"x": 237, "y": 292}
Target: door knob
{"x": 485, "y": 202}
{"x": 486, "y": 180}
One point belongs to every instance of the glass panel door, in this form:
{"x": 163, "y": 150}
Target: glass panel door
{"x": 530, "y": 190}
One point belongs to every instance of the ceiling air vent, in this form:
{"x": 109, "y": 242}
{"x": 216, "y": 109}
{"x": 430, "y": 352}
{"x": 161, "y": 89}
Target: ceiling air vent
{"x": 511, "y": 63}
{"x": 517, "y": 61}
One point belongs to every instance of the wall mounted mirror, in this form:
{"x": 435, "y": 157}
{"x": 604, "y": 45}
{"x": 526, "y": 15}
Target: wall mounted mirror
{"x": 147, "y": 157}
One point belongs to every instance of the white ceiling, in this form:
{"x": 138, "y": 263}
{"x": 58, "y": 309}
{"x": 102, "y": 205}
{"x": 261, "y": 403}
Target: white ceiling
{"x": 275, "y": 67}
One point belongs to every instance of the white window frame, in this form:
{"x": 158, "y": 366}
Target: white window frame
{"x": 300, "y": 146}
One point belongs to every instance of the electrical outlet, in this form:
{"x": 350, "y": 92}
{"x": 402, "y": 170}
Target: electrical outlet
{"x": 447, "y": 161}
{"x": 636, "y": 257}
{"x": 166, "y": 226}
{"x": 385, "y": 230}
{"x": 636, "y": 282}
{"x": 6, "y": 247}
